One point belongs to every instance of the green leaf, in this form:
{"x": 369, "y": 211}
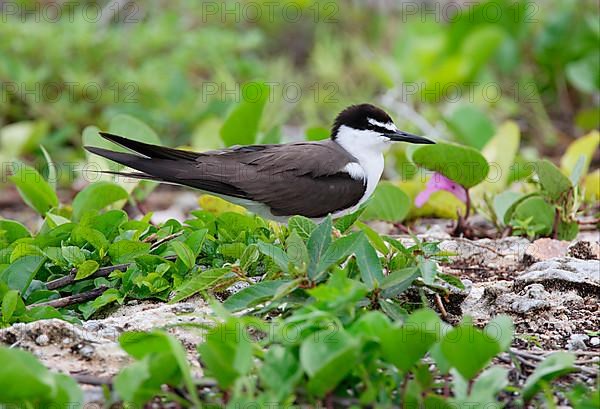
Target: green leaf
{"x": 97, "y": 196}
{"x": 227, "y": 352}
{"x": 19, "y": 274}
{"x": 34, "y": 190}
{"x": 405, "y": 346}
{"x": 109, "y": 296}
{"x": 584, "y": 147}
{"x": 583, "y": 73}
{"x": 124, "y": 251}
{"x": 52, "y": 178}
{"x": 9, "y": 304}
{"x": 371, "y": 271}
{"x": 253, "y": 295}
{"x": 241, "y": 126}
{"x": 501, "y": 328}
{"x": 500, "y": 152}
{"x": 567, "y": 230}
{"x": 428, "y": 268}
{"x": 503, "y": 202}
{"x": 250, "y": 255}
{"x": 554, "y": 183}
{"x": 469, "y": 349}
{"x": 276, "y": 254}
{"x": 464, "y": 165}
{"x": 338, "y": 250}
{"x": 296, "y": 251}
{"x": 374, "y": 238}
{"x": 11, "y": 230}
{"x": 484, "y": 390}
{"x": 36, "y": 385}
{"x": 83, "y": 235}
{"x": 471, "y": 126}
{"x": 540, "y": 213}
{"x": 345, "y": 222}
{"x": 318, "y": 242}
{"x": 73, "y": 254}
{"x": 554, "y": 366}
{"x": 86, "y": 269}
{"x": 280, "y": 371}
{"x": 198, "y": 282}
{"x": 388, "y": 203}
{"x": 328, "y": 356}
{"x": 303, "y": 225}
{"x": 402, "y": 278}
{"x": 184, "y": 253}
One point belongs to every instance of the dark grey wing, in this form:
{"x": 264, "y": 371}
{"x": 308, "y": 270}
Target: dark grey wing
{"x": 301, "y": 178}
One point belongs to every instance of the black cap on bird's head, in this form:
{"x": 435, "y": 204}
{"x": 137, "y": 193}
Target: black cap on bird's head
{"x": 367, "y": 117}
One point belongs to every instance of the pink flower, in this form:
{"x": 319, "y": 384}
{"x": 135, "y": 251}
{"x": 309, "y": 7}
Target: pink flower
{"x": 440, "y": 182}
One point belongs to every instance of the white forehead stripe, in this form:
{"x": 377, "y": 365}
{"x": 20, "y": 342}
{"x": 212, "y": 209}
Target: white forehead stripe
{"x": 389, "y": 125}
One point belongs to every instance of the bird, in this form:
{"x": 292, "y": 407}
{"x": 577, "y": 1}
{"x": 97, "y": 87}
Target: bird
{"x": 313, "y": 179}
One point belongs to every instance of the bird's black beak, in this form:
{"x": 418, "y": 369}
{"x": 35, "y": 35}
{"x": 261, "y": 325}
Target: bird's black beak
{"x": 401, "y": 136}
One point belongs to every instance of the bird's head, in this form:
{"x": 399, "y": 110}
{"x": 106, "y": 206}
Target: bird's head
{"x": 370, "y": 127}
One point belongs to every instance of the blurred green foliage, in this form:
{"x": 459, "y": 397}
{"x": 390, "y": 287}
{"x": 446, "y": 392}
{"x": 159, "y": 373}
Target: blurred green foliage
{"x": 179, "y": 66}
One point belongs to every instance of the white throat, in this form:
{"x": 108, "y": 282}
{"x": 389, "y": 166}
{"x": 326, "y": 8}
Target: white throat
{"x": 368, "y": 148}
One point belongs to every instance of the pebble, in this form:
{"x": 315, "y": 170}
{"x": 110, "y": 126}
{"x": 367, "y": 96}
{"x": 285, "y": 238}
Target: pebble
{"x": 577, "y": 341}
{"x": 42, "y": 340}
{"x": 595, "y": 341}
{"x": 87, "y": 351}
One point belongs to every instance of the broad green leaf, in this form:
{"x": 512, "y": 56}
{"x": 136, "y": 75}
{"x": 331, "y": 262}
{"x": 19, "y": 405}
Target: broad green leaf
{"x": 345, "y": 222}
{"x": 500, "y": 153}
{"x": 567, "y": 230}
{"x": 250, "y": 255}
{"x": 19, "y": 274}
{"x": 253, "y": 295}
{"x": 97, "y": 196}
{"x": 38, "y": 385}
{"x": 428, "y": 269}
{"x": 338, "y": 250}
{"x": 11, "y": 231}
{"x": 83, "y": 235}
{"x": 297, "y": 251}
{"x": 405, "y": 346}
{"x": 303, "y": 225}
{"x": 464, "y": 165}
{"x": 583, "y": 73}
{"x": 184, "y": 253}
{"x": 369, "y": 265}
{"x": 554, "y": 183}
{"x": 554, "y": 366}
{"x": 374, "y": 238}
{"x": 242, "y": 124}
{"x": 86, "y": 269}
{"x": 124, "y": 251}
{"x": 277, "y": 254}
{"x": 538, "y": 211}
{"x": 584, "y": 147}
{"x": 484, "y": 390}
{"x": 73, "y": 254}
{"x": 52, "y": 176}
{"x": 34, "y": 190}
{"x": 501, "y": 328}
{"x": 388, "y": 203}
{"x": 280, "y": 371}
{"x": 327, "y": 357}
{"x": 469, "y": 349}
{"x": 318, "y": 242}
{"x": 400, "y": 279}
{"x": 471, "y": 126}
{"x": 227, "y": 352}
{"x": 9, "y": 304}
{"x": 109, "y": 296}
{"x": 133, "y": 128}
{"x": 198, "y": 282}
{"x": 502, "y": 202}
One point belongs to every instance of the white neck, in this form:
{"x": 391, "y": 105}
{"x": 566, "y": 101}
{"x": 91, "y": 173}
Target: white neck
{"x": 368, "y": 148}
